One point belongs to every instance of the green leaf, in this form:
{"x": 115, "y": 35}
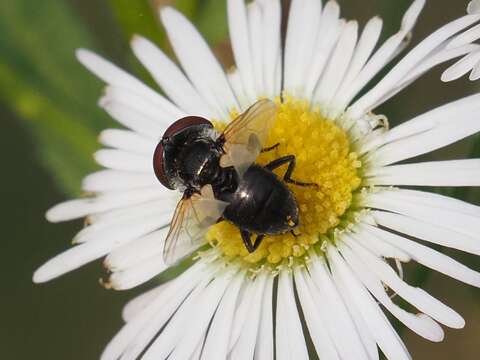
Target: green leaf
{"x": 42, "y": 82}
{"x": 212, "y": 21}
{"x": 64, "y": 143}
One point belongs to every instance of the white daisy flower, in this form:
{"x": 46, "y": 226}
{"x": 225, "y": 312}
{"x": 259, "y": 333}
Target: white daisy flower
{"x": 328, "y": 282}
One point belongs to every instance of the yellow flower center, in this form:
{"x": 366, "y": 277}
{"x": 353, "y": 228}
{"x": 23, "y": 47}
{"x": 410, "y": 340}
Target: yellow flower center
{"x": 324, "y": 157}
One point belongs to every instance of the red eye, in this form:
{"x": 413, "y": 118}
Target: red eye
{"x": 159, "y": 156}
{"x": 159, "y": 168}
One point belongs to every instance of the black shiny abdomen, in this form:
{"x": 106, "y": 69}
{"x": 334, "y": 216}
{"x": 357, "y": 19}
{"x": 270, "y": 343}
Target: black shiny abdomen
{"x": 261, "y": 204}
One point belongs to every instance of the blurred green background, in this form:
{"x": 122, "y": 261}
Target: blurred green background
{"x": 49, "y": 122}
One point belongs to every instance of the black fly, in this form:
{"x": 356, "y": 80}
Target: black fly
{"x": 220, "y": 181}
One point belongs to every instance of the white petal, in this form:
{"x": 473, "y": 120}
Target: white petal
{"x": 128, "y": 141}
{"x": 245, "y": 346}
{"x": 435, "y": 129}
{"x": 264, "y": 345}
{"x": 290, "y": 342}
{"x": 138, "y": 332}
{"x": 429, "y": 257}
{"x": 461, "y": 67}
{"x": 302, "y": 33}
{"x": 139, "y": 105}
{"x": 137, "y": 274}
{"x": 272, "y": 14}
{"x": 434, "y": 233}
{"x": 82, "y": 254}
{"x": 328, "y": 33}
{"x": 465, "y": 37}
{"x": 278, "y": 75}
{"x": 379, "y": 247}
{"x": 132, "y": 118}
{"x": 75, "y": 209}
{"x": 420, "y": 324}
{"x": 316, "y": 324}
{"x": 170, "y": 78}
{"x": 198, "y": 61}
{"x": 170, "y": 334}
{"x": 216, "y": 344}
{"x": 475, "y": 74}
{"x": 198, "y": 350}
{"x": 383, "y": 332}
{"x": 415, "y": 296}
{"x": 396, "y": 202}
{"x": 162, "y": 206}
{"x": 113, "y": 75}
{"x": 385, "y": 53}
{"x": 137, "y": 251}
{"x": 107, "y": 226}
{"x": 112, "y": 180}
{"x": 241, "y": 314}
{"x": 136, "y": 306}
{"x": 255, "y": 15}
{"x": 201, "y": 314}
{"x": 235, "y": 81}
{"x": 436, "y": 173}
{"x": 358, "y": 321}
{"x": 363, "y": 50}
{"x": 439, "y": 201}
{"x": 350, "y": 341}
{"x": 240, "y": 40}
{"x": 437, "y": 58}
{"x": 380, "y": 93}
{"x": 473, "y": 7}
{"x": 338, "y": 65}
{"x": 123, "y": 161}
{"x": 293, "y": 38}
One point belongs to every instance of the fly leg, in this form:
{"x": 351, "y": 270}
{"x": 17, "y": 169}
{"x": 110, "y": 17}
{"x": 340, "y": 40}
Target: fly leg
{"x": 291, "y": 161}
{"x": 247, "y": 240}
{"x": 270, "y": 148}
{"x": 257, "y": 242}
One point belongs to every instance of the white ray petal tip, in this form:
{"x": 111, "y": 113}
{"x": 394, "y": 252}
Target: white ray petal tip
{"x": 85, "y": 56}
{"x": 103, "y": 135}
{"x": 166, "y": 12}
{"x": 473, "y": 7}
{"x": 45, "y": 273}
{"x": 104, "y": 101}
{"x": 449, "y": 75}
{"x": 54, "y": 214}
{"x": 81, "y": 53}
{"x": 412, "y": 13}
{"x": 137, "y": 40}
{"x": 460, "y": 324}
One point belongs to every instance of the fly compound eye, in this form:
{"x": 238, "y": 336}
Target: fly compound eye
{"x": 159, "y": 167}
{"x": 184, "y": 123}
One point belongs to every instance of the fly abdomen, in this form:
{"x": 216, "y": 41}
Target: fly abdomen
{"x": 262, "y": 204}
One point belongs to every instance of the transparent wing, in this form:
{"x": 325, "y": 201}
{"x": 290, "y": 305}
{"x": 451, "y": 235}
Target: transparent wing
{"x": 192, "y": 218}
{"x": 246, "y": 135}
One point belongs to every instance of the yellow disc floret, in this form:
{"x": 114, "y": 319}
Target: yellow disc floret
{"x": 324, "y": 157}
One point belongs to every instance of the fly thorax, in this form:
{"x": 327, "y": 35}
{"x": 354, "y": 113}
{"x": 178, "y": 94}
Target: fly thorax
{"x": 198, "y": 163}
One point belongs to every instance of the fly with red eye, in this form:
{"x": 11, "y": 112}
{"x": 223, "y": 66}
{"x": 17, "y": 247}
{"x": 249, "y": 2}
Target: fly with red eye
{"x": 221, "y": 182}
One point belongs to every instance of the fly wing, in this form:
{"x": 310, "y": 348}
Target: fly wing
{"x": 192, "y": 218}
{"x": 245, "y": 136}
